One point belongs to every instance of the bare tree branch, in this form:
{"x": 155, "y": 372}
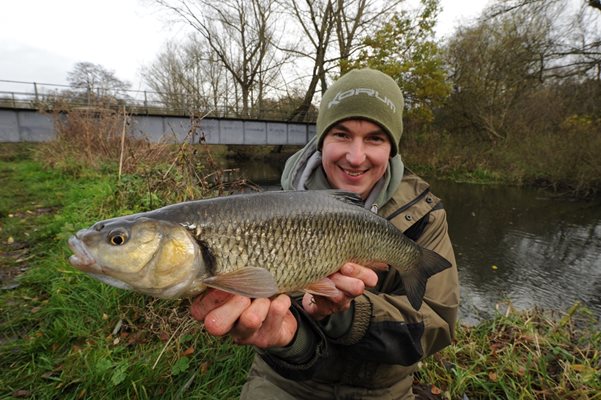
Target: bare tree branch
{"x": 240, "y": 34}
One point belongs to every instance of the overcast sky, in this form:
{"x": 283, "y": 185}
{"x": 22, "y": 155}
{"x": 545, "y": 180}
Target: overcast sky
{"x": 41, "y": 40}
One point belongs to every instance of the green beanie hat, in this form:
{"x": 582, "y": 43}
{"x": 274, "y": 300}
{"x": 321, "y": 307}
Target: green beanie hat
{"x": 366, "y": 94}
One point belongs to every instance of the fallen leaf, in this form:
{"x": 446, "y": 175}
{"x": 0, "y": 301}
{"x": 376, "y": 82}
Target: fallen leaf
{"x": 136, "y": 338}
{"x": 48, "y": 374}
{"x": 189, "y": 351}
{"x": 204, "y": 367}
{"x": 21, "y": 393}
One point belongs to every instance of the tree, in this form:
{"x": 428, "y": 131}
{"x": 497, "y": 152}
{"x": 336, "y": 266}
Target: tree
{"x": 405, "y": 49}
{"x": 187, "y": 78}
{"x": 573, "y": 37}
{"x": 332, "y": 31}
{"x": 355, "y": 22}
{"x": 495, "y": 66}
{"x": 240, "y": 35}
{"x": 97, "y": 81}
{"x": 315, "y": 18}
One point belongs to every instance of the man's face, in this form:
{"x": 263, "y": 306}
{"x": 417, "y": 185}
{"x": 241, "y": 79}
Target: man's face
{"x": 355, "y": 155}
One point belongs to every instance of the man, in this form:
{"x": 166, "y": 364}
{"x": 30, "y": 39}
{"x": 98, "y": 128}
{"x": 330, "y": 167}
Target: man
{"x": 365, "y": 343}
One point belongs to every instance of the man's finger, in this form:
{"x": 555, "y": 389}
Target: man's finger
{"x": 365, "y": 274}
{"x": 348, "y": 286}
{"x": 207, "y": 302}
{"x": 251, "y": 319}
{"x": 222, "y": 319}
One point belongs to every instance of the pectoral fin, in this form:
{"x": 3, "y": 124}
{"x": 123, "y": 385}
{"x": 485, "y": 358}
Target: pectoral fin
{"x": 324, "y": 287}
{"x": 249, "y": 282}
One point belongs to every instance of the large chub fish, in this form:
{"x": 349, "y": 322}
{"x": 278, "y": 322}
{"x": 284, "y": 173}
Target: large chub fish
{"x": 255, "y": 245}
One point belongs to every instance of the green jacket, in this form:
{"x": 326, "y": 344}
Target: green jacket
{"x": 372, "y": 350}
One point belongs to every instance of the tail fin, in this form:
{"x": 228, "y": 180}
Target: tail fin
{"x": 430, "y": 263}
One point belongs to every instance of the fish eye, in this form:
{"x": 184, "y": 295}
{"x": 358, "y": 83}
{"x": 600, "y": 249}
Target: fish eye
{"x": 117, "y": 237}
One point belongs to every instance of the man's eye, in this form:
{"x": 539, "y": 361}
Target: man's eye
{"x": 376, "y": 139}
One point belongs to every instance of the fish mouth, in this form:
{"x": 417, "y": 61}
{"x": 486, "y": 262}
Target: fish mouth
{"x": 81, "y": 258}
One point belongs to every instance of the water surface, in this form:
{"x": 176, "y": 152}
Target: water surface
{"x": 523, "y": 245}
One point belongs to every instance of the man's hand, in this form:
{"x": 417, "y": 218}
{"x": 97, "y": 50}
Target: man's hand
{"x": 260, "y": 322}
{"x": 351, "y": 280}
{"x": 268, "y": 322}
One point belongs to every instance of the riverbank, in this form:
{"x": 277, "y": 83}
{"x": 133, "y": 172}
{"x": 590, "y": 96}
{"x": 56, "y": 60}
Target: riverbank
{"x": 64, "y": 335}
{"x": 566, "y": 164}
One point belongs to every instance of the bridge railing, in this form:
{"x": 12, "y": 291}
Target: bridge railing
{"x": 54, "y": 97}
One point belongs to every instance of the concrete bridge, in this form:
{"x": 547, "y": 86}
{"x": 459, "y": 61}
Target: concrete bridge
{"x": 26, "y": 125}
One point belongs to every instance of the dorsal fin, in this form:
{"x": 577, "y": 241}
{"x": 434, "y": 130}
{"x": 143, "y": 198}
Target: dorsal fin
{"x": 347, "y": 197}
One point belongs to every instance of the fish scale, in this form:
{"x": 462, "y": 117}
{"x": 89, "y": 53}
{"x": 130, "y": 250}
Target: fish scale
{"x": 305, "y": 234}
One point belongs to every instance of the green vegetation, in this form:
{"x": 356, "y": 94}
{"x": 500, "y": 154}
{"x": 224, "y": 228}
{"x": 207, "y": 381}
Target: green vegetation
{"x": 564, "y": 163}
{"x": 65, "y": 335}
{"x": 521, "y": 355}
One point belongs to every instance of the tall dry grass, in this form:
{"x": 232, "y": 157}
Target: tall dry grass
{"x": 147, "y": 175}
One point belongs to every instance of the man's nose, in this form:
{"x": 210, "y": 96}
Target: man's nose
{"x": 356, "y": 153}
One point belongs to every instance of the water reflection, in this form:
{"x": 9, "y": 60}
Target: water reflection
{"x": 523, "y": 246}
{"x": 512, "y": 244}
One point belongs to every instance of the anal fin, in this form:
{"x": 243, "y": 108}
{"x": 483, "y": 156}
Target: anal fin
{"x": 324, "y": 287}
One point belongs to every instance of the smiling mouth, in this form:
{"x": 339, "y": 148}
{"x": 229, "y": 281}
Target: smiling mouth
{"x": 352, "y": 173}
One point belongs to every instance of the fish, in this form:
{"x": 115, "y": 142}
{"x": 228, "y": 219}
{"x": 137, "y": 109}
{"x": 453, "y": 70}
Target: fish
{"x": 253, "y": 244}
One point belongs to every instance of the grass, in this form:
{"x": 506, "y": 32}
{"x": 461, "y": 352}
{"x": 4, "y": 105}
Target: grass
{"x": 65, "y": 335}
{"x": 531, "y": 354}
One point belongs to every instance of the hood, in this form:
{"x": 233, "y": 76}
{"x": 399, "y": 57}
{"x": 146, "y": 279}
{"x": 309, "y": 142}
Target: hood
{"x": 303, "y": 171}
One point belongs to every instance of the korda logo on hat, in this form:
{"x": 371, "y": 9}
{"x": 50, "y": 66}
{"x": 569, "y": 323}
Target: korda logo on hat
{"x": 358, "y": 92}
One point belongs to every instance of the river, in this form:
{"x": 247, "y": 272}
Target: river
{"x": 520, "y": 245}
